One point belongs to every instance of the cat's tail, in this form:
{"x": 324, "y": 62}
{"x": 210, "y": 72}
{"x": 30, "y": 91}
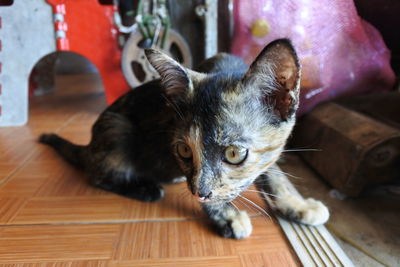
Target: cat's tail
{"x": 73, "y": 154}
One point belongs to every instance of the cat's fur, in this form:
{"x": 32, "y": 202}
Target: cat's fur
{"x": 135, "y": 141}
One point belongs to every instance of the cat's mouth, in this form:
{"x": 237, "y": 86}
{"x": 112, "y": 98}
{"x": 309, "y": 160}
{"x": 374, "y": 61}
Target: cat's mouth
{"x": 213, "y": 196}
{"x": 204, "y": 198}
{"x": 213, "y": 199}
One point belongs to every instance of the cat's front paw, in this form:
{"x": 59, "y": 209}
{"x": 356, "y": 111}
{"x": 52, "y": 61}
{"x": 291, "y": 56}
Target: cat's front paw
{"x": 237, "y": 225}
{"x": 314, "y": 213}
{"x": 307, "y": 211}
{"x": 147, "y": 192}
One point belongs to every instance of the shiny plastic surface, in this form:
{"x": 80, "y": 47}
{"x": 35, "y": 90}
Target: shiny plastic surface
{"x": 340, "y": 53}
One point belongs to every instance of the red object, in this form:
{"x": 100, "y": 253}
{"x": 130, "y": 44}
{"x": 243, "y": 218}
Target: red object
{"x": 88, "y": 29}
{"x": 61, "y": 26}
{"x": 58, "y": 8}
{"x": 62, "y": 44}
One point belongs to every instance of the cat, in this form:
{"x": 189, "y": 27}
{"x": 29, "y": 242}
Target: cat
{"x": 222, "y": 127}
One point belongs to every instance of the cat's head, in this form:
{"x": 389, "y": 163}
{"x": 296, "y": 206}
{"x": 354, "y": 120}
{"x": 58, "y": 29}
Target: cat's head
{"x": 231, "y": 125}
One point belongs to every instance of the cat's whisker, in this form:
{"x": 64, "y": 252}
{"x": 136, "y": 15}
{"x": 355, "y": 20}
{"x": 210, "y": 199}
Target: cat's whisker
{"x": 262, "y": 192}
{"x": 268, "y": 200}
{"x": 247, "y": 206}
{"x": 255, "y": 205}
{"x": 233, "y": 204}
{"x": 274, "y": 171}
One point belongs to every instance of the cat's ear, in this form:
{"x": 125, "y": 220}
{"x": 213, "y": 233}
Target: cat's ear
{"x": 276, "y": 72}
{"x": 174, "y": 76}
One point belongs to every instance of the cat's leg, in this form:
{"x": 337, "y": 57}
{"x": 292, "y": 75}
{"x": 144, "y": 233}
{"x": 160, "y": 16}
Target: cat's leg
{"x": 110, "y": 164}
{"x": 126, "y": 184}
{"x": 284, "y": 198}
{"x": 231, "y": 223}
{"x": 178, "y": 180}
{"x": 143, "y": 191}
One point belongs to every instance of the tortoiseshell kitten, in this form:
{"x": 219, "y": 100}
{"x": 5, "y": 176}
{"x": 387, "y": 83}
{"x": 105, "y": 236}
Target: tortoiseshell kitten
{"x": 223, "y": 128}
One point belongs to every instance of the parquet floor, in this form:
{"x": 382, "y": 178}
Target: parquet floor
{"x": 50, "y": 216}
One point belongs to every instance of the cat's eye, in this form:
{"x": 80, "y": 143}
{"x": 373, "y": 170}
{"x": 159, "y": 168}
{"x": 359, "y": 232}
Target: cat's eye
{"x": 235, "y": 155}
{"x": 184, "y": 151}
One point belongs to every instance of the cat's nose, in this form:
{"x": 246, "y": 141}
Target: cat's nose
{"x": 204, "y": 197}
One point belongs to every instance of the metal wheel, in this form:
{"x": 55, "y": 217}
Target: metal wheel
{"x": 137, "y": 69}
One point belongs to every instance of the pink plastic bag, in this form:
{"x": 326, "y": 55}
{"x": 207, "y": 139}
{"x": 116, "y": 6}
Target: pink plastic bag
{"x": 340, "y": 53}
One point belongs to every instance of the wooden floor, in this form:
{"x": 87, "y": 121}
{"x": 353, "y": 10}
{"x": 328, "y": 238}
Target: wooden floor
{"x": 49, "y": 214}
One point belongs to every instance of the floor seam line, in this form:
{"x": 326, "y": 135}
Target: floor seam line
{"x": 114, "y": 222}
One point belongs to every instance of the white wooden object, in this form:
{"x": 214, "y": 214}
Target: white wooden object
{"x": 26, "y": 35}
{"x": 314, "y": 245}
{"x": 209, "y": 13}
